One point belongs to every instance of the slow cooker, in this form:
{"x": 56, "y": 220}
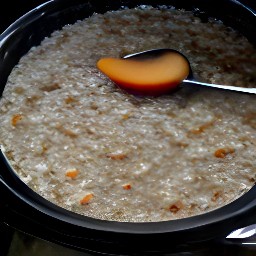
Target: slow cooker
{"x": 26, "y": 211}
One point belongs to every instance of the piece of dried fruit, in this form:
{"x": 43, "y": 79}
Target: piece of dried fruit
{"x": 202, "y": 127}
{"x": 116, "y": 156}
{"x": 16, "y": 118}
{"x": 223, "y": 152}
{"x": 86, "y": 199}
{"x": 127, "y": 186}
{"x": 72, "y": 173}
{"x": 70, "y": 100}
{"x": 216, "y": 196}
{"x": 174, "y": 208}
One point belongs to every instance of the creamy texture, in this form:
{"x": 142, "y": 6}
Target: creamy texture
{"x": 79, "y": 141}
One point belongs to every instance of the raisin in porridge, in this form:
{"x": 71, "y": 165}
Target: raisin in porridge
{"x": 82, "y": 143}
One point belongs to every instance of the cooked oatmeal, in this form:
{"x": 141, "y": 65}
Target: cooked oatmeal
{"x": 82, "y": 143}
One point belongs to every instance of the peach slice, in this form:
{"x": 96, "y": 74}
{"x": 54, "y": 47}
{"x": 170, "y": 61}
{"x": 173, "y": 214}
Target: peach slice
{"x": 148, "y": 76}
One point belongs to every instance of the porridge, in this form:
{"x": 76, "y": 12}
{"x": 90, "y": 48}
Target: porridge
{"x": 84, "y": 144}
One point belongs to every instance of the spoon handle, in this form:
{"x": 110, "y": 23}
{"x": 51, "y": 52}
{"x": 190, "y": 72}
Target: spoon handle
{"x": 225, "y": 87}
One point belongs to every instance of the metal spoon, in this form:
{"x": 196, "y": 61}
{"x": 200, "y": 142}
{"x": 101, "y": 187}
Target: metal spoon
{"x": 190, "y": 79}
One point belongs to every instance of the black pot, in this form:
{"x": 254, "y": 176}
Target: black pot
{"x": 25, "y": 210}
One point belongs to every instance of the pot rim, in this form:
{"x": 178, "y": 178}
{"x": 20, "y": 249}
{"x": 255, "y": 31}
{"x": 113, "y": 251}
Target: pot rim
{"x": 215, "y": 220}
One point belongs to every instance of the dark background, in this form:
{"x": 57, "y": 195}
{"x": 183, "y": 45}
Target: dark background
{"x": 11, "y": 10}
